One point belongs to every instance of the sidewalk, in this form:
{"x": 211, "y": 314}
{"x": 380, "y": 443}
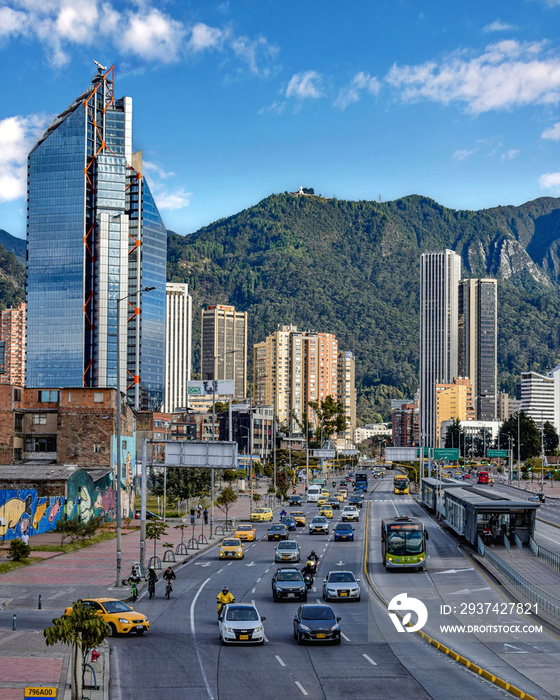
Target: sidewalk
{"x": 90, "y": 572}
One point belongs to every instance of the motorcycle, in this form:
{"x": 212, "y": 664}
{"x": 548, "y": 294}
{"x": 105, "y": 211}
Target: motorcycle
{"x": 308, "y": 578}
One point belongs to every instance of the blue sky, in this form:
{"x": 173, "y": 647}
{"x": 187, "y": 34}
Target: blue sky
{"x": 235, "y": 100}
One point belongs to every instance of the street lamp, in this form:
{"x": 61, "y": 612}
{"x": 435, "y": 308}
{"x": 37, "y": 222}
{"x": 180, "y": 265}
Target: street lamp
{"x": 119, "y": 461}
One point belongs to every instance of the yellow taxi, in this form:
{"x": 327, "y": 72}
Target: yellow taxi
{"x": 326, "y": 511}
{"x": 120, "y": 617}
{"x": 245, "y": 532}
{"x": 232, "y": 548}
{"x": 299, "y": 517}
{"x": 341, "y": 495}
{"x": 325, "y": 493}
{"x": 261, "y": 515}
{"x": 322, "y": 500}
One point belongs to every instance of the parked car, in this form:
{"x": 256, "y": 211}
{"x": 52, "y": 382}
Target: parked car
{"x": 288, "y": 583}
{"x": 288, "y": 550}
{"x": 150, "y": 515}
{"x": 316, "y": 623}
{"x": 120, "y": 617}
{"x": 241, "y": 623}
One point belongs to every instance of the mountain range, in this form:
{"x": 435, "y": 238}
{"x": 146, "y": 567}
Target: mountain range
{"x": 352, "y": 268}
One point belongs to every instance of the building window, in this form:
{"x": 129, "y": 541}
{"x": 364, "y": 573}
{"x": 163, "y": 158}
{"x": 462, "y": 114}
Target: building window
{"x": 45, "y": 396}
{"x": 98, "y": 397}
{"x": 18, "y": 422}
{"x": 41, "y": 444}
{"x": 39, "y": 419}
{"x": 17, "y": 394}
{"x": 17, "y": 453}
{"x": 97, "y": 448}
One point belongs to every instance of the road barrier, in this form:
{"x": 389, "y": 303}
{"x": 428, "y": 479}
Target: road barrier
{"x": 545, "y": 554}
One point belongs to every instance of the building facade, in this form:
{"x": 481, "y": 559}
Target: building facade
{"x": 406, "y": 425}
{"x": 440, "y": 273}
{"x": 347, "y": 394}
{"x": 507, "y": 406}
{"x": 94, "y": 239}
{"x": 12, "y": 336}
{"x": 453, "y": 400}
{"x": 223, "y": 347}
{"x": 478, "y": 342}
{"x": 178, "y": 345}
{"x": 538, "y": 396}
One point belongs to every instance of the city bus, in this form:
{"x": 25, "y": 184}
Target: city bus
{"x": 360, "y": 481}
{"x": 400, "y": 483}
{"x": 403, "y": 543}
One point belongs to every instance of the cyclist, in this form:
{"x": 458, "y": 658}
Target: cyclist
{"x": 205, "y": 514}
{"x": 134, "y": 579}
{"x": 169, "y": 575}
{"x": 224, "y": 597}
{"x": 152, "y": 580}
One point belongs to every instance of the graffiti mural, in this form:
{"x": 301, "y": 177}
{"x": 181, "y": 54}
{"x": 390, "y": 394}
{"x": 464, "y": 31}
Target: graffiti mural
{"x": 88, "y": 498}
{"x": 127, "y": 472}
{"x": 22, "y": 511}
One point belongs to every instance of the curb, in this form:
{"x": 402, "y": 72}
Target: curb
{"x": 547, "y": 522}
{"x": 487, "y": 675}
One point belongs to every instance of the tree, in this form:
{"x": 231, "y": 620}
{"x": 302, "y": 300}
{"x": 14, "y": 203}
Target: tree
{"x": 18, "y": 550}
{"x": 182, "y": 483}
{"x": 82, "y": 629}
{"x": 225, "y": 500}
{"x": 530, "y": 434}
{"x": 550, "y": 438}
{"x": 155, "y": 531}
{"x": 454, "y": 435}
{"x": 229, "y": 475}
{"x": 331, "y": 419}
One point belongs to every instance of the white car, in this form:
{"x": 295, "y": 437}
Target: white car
{"x": 319, "y": 524}
{"x": 350, "y": 513}
{"x": 341, "y": 585}
{"x": 287, "y": 550}
{"x": 240, "y": 623}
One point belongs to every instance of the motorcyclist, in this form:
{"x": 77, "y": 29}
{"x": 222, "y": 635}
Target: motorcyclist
{"x": 282, "y": 513}
{"x": 314, "y": 559}
{"x": 309, "y": 568}
{"x": 169, "y": 575}
{"x": 224, "y": 597}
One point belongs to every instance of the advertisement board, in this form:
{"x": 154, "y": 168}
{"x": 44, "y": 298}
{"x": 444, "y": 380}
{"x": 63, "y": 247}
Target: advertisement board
{"x": 221, "y": 387}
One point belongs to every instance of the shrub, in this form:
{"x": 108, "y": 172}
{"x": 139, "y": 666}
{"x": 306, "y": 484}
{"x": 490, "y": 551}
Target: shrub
{"x": 18, "y": 550}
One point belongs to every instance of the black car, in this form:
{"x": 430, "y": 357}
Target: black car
{"x": 279, "y": 531}
{"x": 316, "y": 623}
{"x": 289, "y": 521}
{"x": 150, "y": 515}
{"x": 295, "y": 500}
{"x": 334, "y": 503}
{"x": 355, "y": 501}
{"x": 288, "y": 583}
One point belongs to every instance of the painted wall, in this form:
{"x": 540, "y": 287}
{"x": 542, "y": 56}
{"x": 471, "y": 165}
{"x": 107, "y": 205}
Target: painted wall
{"x": 21, "y": 510}
{"x": 87, "y": 498}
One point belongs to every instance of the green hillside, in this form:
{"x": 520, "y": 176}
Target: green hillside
{"x": 352, "y": 268}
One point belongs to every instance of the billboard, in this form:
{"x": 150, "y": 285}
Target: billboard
{"x": 220, "y": 387}
{"x": 348, "y": 453}
{"x": 324, "y": 454}
{"x": 401, "y": 454}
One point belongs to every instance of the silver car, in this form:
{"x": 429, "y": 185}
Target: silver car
{"x": 288, "y": 550}
{"x": 350, "y": 513}
{"x": 341, "y": 585}
{"x": 319, "y": 524}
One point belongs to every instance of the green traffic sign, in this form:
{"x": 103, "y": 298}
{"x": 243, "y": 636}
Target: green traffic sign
{"x": 451, "y": 454}
{"x": 426, "y": 451}
{"x": 496, "y": 453}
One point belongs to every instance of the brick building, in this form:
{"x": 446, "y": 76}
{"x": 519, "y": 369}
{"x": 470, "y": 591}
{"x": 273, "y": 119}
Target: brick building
{"x": 406, "y": 426}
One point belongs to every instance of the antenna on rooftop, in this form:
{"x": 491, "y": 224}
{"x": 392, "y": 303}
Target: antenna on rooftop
{"x": 379, "y": 199}
{"x": 99, "y": 66}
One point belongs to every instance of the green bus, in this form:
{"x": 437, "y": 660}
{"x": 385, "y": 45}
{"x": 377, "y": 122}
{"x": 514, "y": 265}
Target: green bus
{"x": 403, "y": 543}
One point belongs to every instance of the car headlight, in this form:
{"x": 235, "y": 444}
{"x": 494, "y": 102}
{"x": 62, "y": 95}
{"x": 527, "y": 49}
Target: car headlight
{"x": 124, "y": 621}
{"x": 422, "y": 556}
{"x": 331, "y": 591}
{"x": 258, "y": 629}
{"x": 305, "y": 628}
{"x": 335, "y": 627}
{"x": 228, "y": 629}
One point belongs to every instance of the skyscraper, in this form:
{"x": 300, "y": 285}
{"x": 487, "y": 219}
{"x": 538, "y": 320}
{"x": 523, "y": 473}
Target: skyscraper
{"x": 478, "y": 342}
{"x": 223, "y": 351}
{"x": 178, "y": 345}
{"x": 347, "y": 394}
{"x": 94, "y": 236}
{"x": 440, "y": 273}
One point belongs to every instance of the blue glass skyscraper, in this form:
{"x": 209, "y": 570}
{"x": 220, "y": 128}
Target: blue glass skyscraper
{"x": 94, "y": 236}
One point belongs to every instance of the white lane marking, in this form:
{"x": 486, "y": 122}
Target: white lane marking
{"x": 220, "y": 571}
{"x": 254, "y": 589}
{"x": 266, "y": 638}
{"x": 345, "y": 637}
{"x": 367, "y": 658}
{"x": 299, "y": 685}
{"x": 267, "y": 570}
{"x": 259, "y": 579}
{"x": 193, "y": 632}
{"x": 318, "y": 601}
{"x": 314, "y": 589}
{"x": 547, "y": 538}
{"x": 280, "y": 661}
{"x": 395, "y": 507}
{"x": 230, "y": 563}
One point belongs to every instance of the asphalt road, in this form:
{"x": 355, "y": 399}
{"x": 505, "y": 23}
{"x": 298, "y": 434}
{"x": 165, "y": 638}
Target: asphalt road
{"x": 182, "y": 657}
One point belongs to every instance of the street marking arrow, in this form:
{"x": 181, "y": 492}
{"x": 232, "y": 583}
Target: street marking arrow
{"x": 454, "y": 571}
{"x": 198, "y": 563}
{"x": 510, "y": 649}
{"x": 251, "y": 564}
{"x": 470, "y": 590}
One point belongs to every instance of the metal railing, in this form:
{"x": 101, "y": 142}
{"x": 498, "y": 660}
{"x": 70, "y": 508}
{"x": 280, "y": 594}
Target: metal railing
{"x": 506, "y": 542}
{"x": 518, "y": 542}
{"x": 545, "y": 601}
{"x": 545, "y": 554}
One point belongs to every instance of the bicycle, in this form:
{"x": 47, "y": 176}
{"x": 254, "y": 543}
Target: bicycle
{"x": 133, "y": 588}
{"x": 152, "y": 588}
{"x": 168, "y": 588}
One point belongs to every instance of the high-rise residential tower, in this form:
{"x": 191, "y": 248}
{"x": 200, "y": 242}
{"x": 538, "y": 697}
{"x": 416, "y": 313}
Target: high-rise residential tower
{"x": 94, "y": 236}
{"x": 178, "y": 346}
{"x": 347, "y": 394}
{"x": 223, "y": 351}
{"x": 478, "y": 342}
{"x": 440, "y": 273}
{"x": 12, "y": 337}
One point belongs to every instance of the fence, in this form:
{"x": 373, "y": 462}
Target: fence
{"x": 184, "y": 507}
{"x": 545, "y": 554}
{"x": 545, "y": 601}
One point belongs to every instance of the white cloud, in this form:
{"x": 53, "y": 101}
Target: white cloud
{"x": 510, "y": 154}
{"x": 171, "y": 201}
{"x": 153, "y": 36}
{"x": 148, "y": 166}
{"x": 361, "y": 82}
{"x": 17, "y": 137}
{"x": 507, "y": 74}
{"x": 550, "y": 181}
{"x": 552, "y": 133}
{"x": 463, "y": 153}
{"x": 254, "y": 53}
{"x": 205, "y": 37}
{"x": 499, "y": 26}
{"x": 305, "y": 85}
{"x": 12, "y": 22}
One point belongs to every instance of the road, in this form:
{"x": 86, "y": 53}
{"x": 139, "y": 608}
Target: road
{"x": 182, "y": 658}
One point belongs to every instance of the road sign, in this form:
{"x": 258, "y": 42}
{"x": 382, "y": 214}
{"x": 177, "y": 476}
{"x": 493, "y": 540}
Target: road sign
{"x": 324, "y": 454}
{"x": 496, "y": 453}
{"x": 451, "y": 454}
{"x": 39, "y": 692}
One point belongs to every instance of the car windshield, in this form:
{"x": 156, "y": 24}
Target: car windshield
{"x": 279, "y": 528}
{"x": 242, "y": 614}
{"x": 402, "y": 542}
{"x": 343, "y": 526}
{"x": 231, "y": 543}
{"x": 317, "y": 612}
{"x": 288, "y": 576}
{"x": 262, "y": 510}
{"x": 116, "y": 606}
{"x": 244, "y": 528}
{"x": 319, "y": 519}
{"x": 287, "y": 545}
{"x": 341, "y": 577}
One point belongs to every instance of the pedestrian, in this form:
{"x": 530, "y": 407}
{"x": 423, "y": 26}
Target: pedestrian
{"x": 192, "y": 516}
{"x": 198, "y": 511}
{"x": 486, "y": 534}
{"x": 25, "y": 538}
{"x": 205, "y": 516}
